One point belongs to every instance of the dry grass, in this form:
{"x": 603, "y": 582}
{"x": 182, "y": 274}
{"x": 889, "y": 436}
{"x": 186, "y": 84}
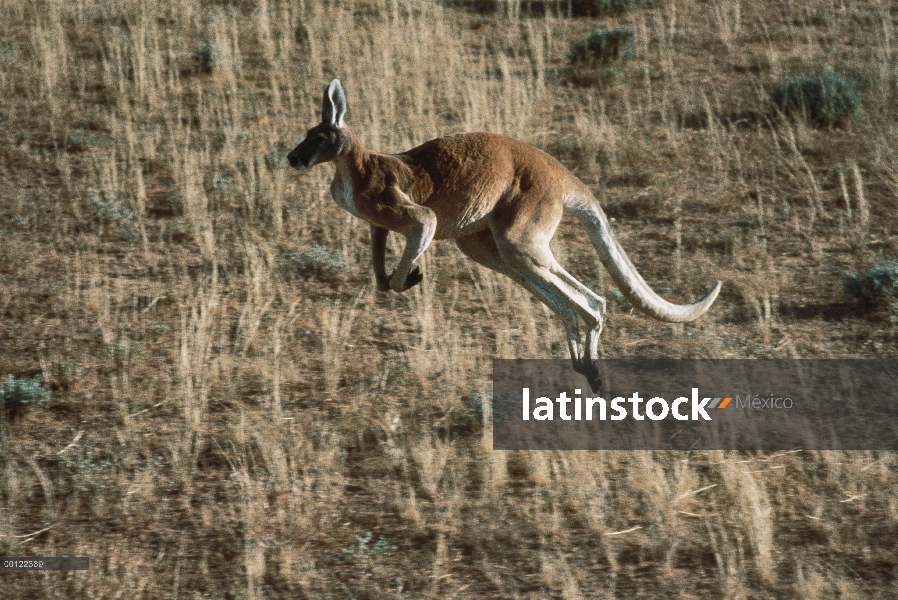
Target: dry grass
{"x": 236, "y": 414}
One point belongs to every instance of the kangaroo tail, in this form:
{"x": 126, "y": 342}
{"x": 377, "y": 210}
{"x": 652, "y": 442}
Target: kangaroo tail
{"x": 622, "y": 271}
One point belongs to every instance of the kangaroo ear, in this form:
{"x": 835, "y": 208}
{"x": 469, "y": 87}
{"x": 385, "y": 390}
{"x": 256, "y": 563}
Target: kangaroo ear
{"x": 334, "y": 106}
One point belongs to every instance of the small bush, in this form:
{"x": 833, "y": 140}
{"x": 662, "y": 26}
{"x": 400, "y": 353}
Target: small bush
{"x": 874, "y": 285}
{"x": 17, "y": 393}
{"x": 827, "y": 99}
{"x": 78, "y": 140}
{"x": 206, "y": 57}
{"x": 105, "y": 211}
{"x": 604, "y": 47}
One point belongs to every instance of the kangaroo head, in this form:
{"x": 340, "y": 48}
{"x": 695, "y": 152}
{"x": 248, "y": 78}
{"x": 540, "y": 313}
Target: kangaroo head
{"x": 329, "y": 139}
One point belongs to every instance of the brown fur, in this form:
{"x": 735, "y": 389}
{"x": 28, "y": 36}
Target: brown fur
{"x": 466, "y": 179}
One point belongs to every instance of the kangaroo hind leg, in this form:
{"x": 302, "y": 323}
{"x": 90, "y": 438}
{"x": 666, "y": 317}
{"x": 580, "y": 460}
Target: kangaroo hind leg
{"x": 569, "y": 305}
{"x": 536, "y": 264}
{"x": 589, "y": 366}
{"x": 481, "y": 248}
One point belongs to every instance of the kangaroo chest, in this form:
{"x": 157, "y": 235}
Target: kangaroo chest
{"x": 344, "y": 194}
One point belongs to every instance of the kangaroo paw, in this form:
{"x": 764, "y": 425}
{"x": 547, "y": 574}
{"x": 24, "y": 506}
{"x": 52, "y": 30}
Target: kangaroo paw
{"x": 590, "y": 369}
{"x": 415, "y": 277}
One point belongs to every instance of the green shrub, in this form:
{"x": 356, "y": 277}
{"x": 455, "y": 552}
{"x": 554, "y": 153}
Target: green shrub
{"x": 826, "y": 99}
{"x": 17, "y": 393}
{"x": 78, "y": 140}
{"x": 874, "y": 285}
{"x": 206, "y": 57}
{"x": 604, "y": 46}
{"x": 106, "y": 211}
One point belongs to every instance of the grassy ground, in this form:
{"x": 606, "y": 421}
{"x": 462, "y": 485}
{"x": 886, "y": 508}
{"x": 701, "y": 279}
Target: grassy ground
{"x": 235, "y": 412}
